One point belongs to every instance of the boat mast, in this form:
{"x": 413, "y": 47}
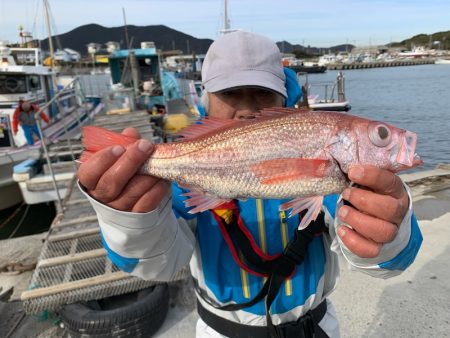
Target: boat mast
{"x": 60, "y": 111}
{"x": 226, "y": 21}
{"x": 49, "y": 30}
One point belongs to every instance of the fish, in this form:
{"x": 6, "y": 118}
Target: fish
{"x": 284, "y": 153}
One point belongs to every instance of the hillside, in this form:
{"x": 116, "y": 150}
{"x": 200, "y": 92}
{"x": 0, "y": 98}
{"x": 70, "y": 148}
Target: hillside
{"x": 441, "y": 39}
{"x": 286, "y": 47}
{"x": 165, "y": 38}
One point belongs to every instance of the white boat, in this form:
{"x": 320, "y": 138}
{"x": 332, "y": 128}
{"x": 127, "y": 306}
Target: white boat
{"x": 24, "y": 77}
{"x": 418, "y": 52}
{"x": 442, "y": 62}
{"x": 325, "y": 96}
{"x": 326, "y": 59}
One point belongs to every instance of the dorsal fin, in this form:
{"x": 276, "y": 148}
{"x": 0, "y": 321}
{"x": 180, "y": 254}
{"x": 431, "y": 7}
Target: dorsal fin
{"x": 280, "y": 111}
{"x": 206, "y": 126}
{"x": 213, "y": 124}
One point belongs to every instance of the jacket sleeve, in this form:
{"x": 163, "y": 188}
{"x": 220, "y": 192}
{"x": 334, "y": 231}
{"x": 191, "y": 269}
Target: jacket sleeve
{"x": 42, "y": 114}
{"x": 154, "y": 245}
{"x": 15, "y": 121}
{"x": 394, "y": 257}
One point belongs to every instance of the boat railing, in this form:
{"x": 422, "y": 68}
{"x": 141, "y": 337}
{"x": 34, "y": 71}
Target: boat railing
{"x": 332, "y": 91}
{"x": 69, "y": 87}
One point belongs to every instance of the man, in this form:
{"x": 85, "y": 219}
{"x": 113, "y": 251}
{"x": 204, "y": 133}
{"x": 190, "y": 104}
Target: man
{"x": 25, "y": 115}
{"x": 143, "y": 221}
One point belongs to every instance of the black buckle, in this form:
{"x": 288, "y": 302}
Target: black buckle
{"x": 302, "y": 328}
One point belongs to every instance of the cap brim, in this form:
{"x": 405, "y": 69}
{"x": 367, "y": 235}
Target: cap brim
{"x": 246, "y": 78}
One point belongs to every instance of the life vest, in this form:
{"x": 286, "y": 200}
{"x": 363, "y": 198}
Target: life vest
{"x": 247, "y": 254}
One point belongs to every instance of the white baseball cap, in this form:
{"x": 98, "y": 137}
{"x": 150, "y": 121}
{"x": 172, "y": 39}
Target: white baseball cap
{"x": 243, "y": 59}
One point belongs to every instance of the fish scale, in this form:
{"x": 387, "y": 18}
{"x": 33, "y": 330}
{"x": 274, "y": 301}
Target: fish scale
{"x": 227, "y": 157}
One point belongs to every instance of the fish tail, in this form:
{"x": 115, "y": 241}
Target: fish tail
{"x": 96, "y": 138}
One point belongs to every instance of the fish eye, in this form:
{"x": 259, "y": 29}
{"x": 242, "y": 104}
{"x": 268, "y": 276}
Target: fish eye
{"x": 383, "y": 132}
{"x": 379, "y": 134}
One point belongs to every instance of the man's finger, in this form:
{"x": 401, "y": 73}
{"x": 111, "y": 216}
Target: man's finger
{"x": 131, "y": 132}
{"x": 150, "y": 200}
{"x": 360, "y": 246}
{"x": 379, "y": 180}
{"x": 111, "y": 184}
{"x": 385, "y": 207}
{"x": 376, "y": 229}
{"x": 90, "y": 172}
{"x": 133, "y": 191}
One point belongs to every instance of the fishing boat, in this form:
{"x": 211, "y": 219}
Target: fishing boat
{"x": 325, "y": 96}
{"x": 138, "y": 84}
{"x": 309, "y": 67}
{"x": 24, "y": 77}
{"x": 442, "y": 62}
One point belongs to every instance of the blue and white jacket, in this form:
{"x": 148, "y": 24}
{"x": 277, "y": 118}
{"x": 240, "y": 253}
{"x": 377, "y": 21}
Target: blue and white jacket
{"x": 157, "y": 244}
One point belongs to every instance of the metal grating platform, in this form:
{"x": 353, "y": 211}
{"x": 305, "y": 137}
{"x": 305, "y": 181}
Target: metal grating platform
{"x": 73, "y": 265}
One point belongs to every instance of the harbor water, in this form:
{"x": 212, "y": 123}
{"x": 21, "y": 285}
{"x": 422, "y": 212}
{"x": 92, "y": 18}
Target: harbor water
{"x": 415, "y": 98}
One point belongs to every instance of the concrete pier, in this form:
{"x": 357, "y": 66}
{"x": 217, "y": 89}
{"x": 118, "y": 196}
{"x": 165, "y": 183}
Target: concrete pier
{"x": 363, "y": 65}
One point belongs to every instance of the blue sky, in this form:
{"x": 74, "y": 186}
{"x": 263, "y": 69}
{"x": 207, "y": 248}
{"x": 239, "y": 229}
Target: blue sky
{"x": 320, "y": 23}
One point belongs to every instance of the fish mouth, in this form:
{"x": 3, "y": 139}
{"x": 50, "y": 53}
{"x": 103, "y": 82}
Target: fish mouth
{"x": 406, "y": 157}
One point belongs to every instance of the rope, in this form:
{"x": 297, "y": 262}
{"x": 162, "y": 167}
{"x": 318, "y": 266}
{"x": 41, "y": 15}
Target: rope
{"x": 20, "y": 222}
{"x": 12, "y": 215}
{"x": 12, "y": 269}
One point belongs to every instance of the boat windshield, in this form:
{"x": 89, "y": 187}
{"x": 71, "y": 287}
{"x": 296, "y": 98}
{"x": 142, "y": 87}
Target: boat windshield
{"x": 13, "y": 84}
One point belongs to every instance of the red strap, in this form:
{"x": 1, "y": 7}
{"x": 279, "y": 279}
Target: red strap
{"x": 233, "y": 205}
{"x": 249, "y": 236}
{"x": 229, "y": 242}
{"x": 227, "y": 205}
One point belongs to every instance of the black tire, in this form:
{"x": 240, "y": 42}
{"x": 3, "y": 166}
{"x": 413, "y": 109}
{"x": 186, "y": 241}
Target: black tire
{"x": 137, "y": 314}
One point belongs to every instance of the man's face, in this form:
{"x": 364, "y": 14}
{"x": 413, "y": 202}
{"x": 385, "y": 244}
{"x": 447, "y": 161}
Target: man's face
{"x": 242, "y": 103}
{"x": 26, "y": 106}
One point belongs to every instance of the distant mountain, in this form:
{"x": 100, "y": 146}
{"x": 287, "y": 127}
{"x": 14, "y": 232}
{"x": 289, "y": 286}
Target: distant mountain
{"x": 286, "y": 47}
{"x": 434, "y": 40}
{"x": 165, "y": 38}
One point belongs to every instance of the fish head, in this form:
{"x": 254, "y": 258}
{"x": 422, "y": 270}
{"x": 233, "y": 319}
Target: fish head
{"x": 385, "y": 146}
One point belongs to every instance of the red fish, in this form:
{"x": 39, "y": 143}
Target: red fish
{"x": 284, "y": 153}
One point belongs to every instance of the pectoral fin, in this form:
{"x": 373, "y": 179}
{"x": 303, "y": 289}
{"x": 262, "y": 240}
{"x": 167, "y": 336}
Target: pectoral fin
{"x": 202, "y": 202}
{"x": 313, "y": 204}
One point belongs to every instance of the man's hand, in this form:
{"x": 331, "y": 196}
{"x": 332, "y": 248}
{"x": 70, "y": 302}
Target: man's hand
{"x": 377, "y": 210}
{"x": 111, "y": 177}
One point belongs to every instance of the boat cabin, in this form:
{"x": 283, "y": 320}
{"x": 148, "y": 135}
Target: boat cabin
{"x": 23, "y": 77}
{"x": 143, "y": 65}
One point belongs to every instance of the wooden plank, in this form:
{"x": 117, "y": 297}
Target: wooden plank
{"x": 73, "y": 234}
{"x": 44, "y": 186}
{"x": 42, "y": 292}
{"x": 71, "y": 258}
{"x": 76, "y": 221}
{"x": 77, "y": 201}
